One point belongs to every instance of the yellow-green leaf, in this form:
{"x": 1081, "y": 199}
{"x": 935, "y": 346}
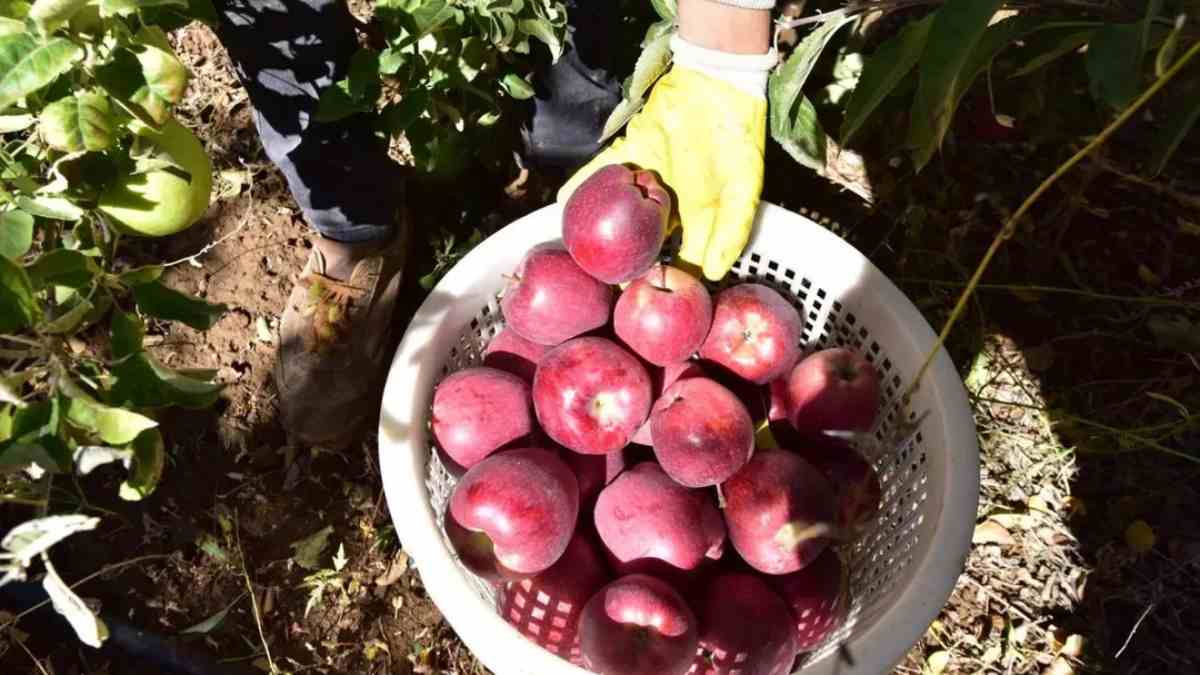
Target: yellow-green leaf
{"x": 881, "y": 74}
{"x": 80, "y": 122}
{"x": 27, "y": 65}
{"x": 50, "y": 15}
{"x": 149, "y": 457}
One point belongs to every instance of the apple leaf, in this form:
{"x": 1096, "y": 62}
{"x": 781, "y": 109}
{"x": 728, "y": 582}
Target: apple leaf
{"x": 62, "y": 267}
{"x": 957, "y": 28}
{"x": 666, "y": 9}
{"x": 33, "y": 437}
{"x": 516, "y": 87}
{"x": 27, "y": 65}
{"x": 160, "y": 301}
{"x": 16, "y": 233}
{"x": 654, "y": 60}
{"x": 787, "y": 81}
{"x": 112, "y": 425}
{"x": 17, "y": 306}
{"x": 128, "y": 7}
{"x": 54, "y": 208}
{"x": 885, "y": 70}
{"x": 149, "y": 457}
{"x": 1053, "y": 44}
{"x": 77, "y": 123}
{"x": 805, "y": 141}
{"x": 88, "y": 627}
{"x": 50, "y": 15}
{"x": 33, "y": 537}
{"x": 1114, "y": 64}
{"x": 165, "y": 77}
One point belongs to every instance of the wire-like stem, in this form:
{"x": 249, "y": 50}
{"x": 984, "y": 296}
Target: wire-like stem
{"x": 1010, "y": 226}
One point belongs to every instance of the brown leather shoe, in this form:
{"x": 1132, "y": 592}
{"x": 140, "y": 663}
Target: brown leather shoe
{"x": 335, "y": 338}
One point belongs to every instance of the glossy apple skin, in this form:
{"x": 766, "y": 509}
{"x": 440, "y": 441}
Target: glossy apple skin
{"x": 648, "y": 522}
{"x": 513, "y": 514}
{"x": 833, "y": 390}
{"x": 510, "y": 352}
{"x": 550, "y": 299}
{"x": 590, "y": 395}
{"x": 755, "y": 333}
{"x": 854, "y": 479}
{"x": 477, "y": 411}
{"x": 615, "y": 222}
{"x": 546, "y": 607}
{"x": 779, "y": 511}
{"x": 663, "y": 315}
{"x": 638, "y": 625}
{"x": 747, "y": 629}
{"x": 702, "y": 433}
{"x": 663, "y": 378}
{"x": 815, "y": 596}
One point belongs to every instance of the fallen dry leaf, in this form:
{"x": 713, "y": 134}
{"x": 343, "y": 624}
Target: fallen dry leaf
{"x": 1073, "y": 646}
{"x": 991, "y": 532}
{"x": 1060, "y": 666}
{"x": 937, "y": 662}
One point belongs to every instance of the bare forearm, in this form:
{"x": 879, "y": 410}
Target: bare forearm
{"x": 725, "y": 28}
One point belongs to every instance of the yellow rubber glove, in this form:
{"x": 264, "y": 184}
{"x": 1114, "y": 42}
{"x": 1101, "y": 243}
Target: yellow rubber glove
{"x": 704, "y": 135}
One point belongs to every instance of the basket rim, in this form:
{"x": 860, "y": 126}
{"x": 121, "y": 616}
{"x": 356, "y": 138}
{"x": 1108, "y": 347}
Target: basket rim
{"x": 877, "y": 646}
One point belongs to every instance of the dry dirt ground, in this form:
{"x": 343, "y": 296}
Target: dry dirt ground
{"x": 1078, "y": 394}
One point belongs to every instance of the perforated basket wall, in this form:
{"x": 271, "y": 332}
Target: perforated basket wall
{"x": 846, "y": 302}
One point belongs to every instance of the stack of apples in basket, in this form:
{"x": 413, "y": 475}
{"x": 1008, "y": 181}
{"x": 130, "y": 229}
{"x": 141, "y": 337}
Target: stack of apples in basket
{"x": 645, "y": 469}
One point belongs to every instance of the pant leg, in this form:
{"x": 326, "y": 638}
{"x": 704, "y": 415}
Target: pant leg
{"x": 576, "y": 95}
{"x": 285, "y": 52}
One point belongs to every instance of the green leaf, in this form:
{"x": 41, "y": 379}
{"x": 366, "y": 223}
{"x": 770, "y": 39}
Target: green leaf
{"x": 961, "y": 46}
{"x": 54, "y": 208}
{"x": 141, "y": 275}
{"x": 654, "y": 60}
{"x": 121, "y": 76}
{"x": 1166, "y": 54}
{"x": 397, "y": 117}
{"x": 128, "y": 330}
{"x": 149, "y": 457}
{"x": 787, "y": 82}
{"x": 805, "y": 141}
{"x": 127, "y": 7}
{"x": 27, "y": 65}
{"x": 69, "y": 320}
{"x": 1050, "y": 45}
{"x": 543, "y": 31}
{"x": 391, "y": 60}
{"x": 516, "y": 87}
{"x": 657, "y": 30}
{"x": 883, "y": 72}
{"x": 50, "y": 15}
{"x": 80, "y": 122}
{"x": 33, "y": 438}
{"x": 141, "y": 381}
{"x": 165, "y": 78}
{"x": 666, "y": 9}
{"x": 307, "y": 551}
{"x": 16, "y": 233}
{"x": 1180, "y": 120}
{"x": 1114, "y": 64}
{"x": 620, "y": 116}
{"x": 117, "y": 426}
{"x": 159, "y": 301}
{"x": 62, "y": 267}
{"x": 13, "y": 123}
{"x": 356, "y": 92}
{"x": 17, "y": 306}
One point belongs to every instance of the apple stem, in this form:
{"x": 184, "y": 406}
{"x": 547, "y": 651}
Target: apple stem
{"x": 793, "y": 534}
{"x": 513, "y": 278}
{"x": 720, "y": 497}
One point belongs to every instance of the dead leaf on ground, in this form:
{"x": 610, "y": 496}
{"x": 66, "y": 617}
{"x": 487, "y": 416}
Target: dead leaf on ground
{"x": 937, "y": 662}
{"x": 991, "y": 532}
{"x": 395, "y": 570}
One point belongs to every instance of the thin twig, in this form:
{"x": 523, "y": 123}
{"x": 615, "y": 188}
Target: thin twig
{"x": 101, "y": 572}
{"x": 1129, "y": 638}
{"x": 33, "y": 658}
{"x": 1010, "y": 227}
{"x": 250, "y": 589}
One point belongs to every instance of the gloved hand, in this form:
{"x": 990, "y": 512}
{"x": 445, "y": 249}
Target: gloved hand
{"x": 703, "y": 130}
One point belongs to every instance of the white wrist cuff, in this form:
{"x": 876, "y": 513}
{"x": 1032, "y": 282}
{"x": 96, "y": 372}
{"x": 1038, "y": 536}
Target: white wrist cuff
{"x": 747, "y": 4}
{"x": 747, "y": 72}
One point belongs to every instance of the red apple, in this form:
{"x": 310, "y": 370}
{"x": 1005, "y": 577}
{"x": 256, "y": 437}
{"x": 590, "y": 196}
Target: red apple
{"x": 591, "y": 472}
{"x": 833, "y": 390}
{"x": 638, "y": 625}
{"x": 591, "y": 395}
{"x": 664, "y": 377}
{"x": 777, "y": 395}
{"x": 510, "y": 352}
{"x": 479, "y": 410}
{"x": 615, "y": 222}
{"x": 702, "y": 433}
{"x": 747, "y": 628}
{"x": 755, "y": 333}
{"x": 854, "y": 479}
{"x": 780, "y": 512}
{"x": 663, "y": 315}
{"x": 551, "y": 299}
{"x": 648, "y": 522}
{"x": 546, "y": 607}
{"x": 814, "y": 595}
{"x": 512, "y": 515}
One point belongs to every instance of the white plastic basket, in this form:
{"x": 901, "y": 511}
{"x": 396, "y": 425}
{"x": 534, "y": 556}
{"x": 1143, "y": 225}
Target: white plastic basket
{"x": 902, "y": 569}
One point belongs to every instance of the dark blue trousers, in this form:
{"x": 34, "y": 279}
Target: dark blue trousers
{"x": 286, "y": 51}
